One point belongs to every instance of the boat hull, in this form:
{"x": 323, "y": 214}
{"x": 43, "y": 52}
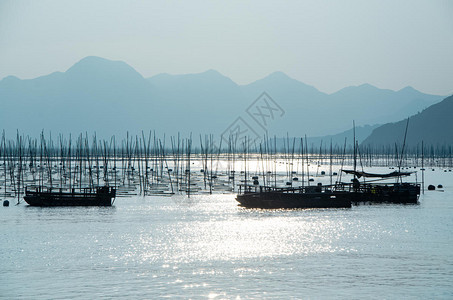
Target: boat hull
{"x": 52, "y": 200}
{"x": 398, "y": 194}
{"x": 102, "y": 197}
{"x": 326, "y": 197}
{"x": 275, "y": 200}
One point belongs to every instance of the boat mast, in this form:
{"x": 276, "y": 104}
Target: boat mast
{"x": 355, "y": 150}
{"x": 423, "y": 169}
{"x": 331, "y": 161}
{"x": 402, "y": 149}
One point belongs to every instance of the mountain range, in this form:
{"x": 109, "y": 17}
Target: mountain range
{"x": 433, "y": 126}
{"x": 110, "y": 97}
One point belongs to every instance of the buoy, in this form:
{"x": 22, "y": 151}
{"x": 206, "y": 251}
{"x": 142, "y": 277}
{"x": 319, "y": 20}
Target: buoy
{"x": 288, "y": 183}
{"x": 319, "y": 184}
{"x": 295, "y": 179}
{"x": 439, "y": 186}
{"x": 255, "y": 177}
{"x": 334, "y": 173}
{"x": 323, "y": 173}
{"x": 431, "y": 187}
{"x": 256, "y": 182}
{"x": 6, "y": 203}
{"x": 311, "y": 179}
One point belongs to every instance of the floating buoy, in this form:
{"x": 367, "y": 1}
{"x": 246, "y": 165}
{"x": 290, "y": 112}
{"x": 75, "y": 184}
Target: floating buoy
{"x": 255, "y": 177}
{"x": 311, "y": 179}
{"x": 6, "y": 203}
{"x": 323, "y": 173}
{"x": 334, "y": 173}
{"x": 288, "y": 183}
{"x": 439, "y": 186}
{"x": 201, "y": 171}
{"x": 431, "y": 187}
{"x": 295, "y": 179}
{"x": 256, "y": 182}
{"x": 319, "y": 184}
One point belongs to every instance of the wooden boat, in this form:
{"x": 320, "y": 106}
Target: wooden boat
{"x": 300, "y": 197}
{"x": 339, "y": 195}
{"x": 397, "y": 192}
{"x": 43, "y": 196}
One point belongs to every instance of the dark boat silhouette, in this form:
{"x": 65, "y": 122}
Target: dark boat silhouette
{"x": 43, "y": 196}
{"x": 339, "y": 195}
{"x": 398, "y": 192}
{"x": 300, "y": 197}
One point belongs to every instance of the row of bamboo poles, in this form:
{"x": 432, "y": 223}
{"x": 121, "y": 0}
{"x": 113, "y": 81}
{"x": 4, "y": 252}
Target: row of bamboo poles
{"x": 152, "y": 165}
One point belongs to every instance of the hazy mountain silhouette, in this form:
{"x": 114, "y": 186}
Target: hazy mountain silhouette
{"x": 110, "y": 97}
{"x": 433, "y": 126}
{"x": 94, "y": 94}
{"x": 361, "y": 133}
{"x": 338, "y": 140}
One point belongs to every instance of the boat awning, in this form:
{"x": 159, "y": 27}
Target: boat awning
{"x": 365, "y": 174}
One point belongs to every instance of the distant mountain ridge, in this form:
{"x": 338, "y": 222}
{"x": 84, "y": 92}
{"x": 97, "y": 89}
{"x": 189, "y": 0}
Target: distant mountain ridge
{"x": 111, "y": 97}
{"x": 433, "y": 126}
{"x": 336, "y": 140}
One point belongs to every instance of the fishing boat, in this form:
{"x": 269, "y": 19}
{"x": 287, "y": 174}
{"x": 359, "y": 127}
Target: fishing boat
{"x": 339, "y": 195}
{"x": 44, "y": 196}
{"x": 381, "y": 192}
{"x": 293, "y": 197}
{"x": 398, "y": 192}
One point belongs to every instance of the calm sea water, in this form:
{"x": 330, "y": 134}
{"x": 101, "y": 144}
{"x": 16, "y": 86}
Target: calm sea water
{"x": 208, "y": 247}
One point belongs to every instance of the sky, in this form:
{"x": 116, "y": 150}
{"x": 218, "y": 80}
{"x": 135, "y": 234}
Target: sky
{"x": 326, "y": 44}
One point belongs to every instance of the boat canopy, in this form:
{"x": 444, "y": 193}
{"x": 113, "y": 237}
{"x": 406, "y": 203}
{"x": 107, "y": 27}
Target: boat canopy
{"x": 365, "y": 174}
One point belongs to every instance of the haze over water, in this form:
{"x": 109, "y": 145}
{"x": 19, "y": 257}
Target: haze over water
{"x": 96, "y": 93}
{"x": 206, "y": 246}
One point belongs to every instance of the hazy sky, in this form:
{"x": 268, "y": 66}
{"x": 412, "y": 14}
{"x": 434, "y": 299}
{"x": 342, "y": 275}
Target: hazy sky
{"x": 327, "y": 44}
